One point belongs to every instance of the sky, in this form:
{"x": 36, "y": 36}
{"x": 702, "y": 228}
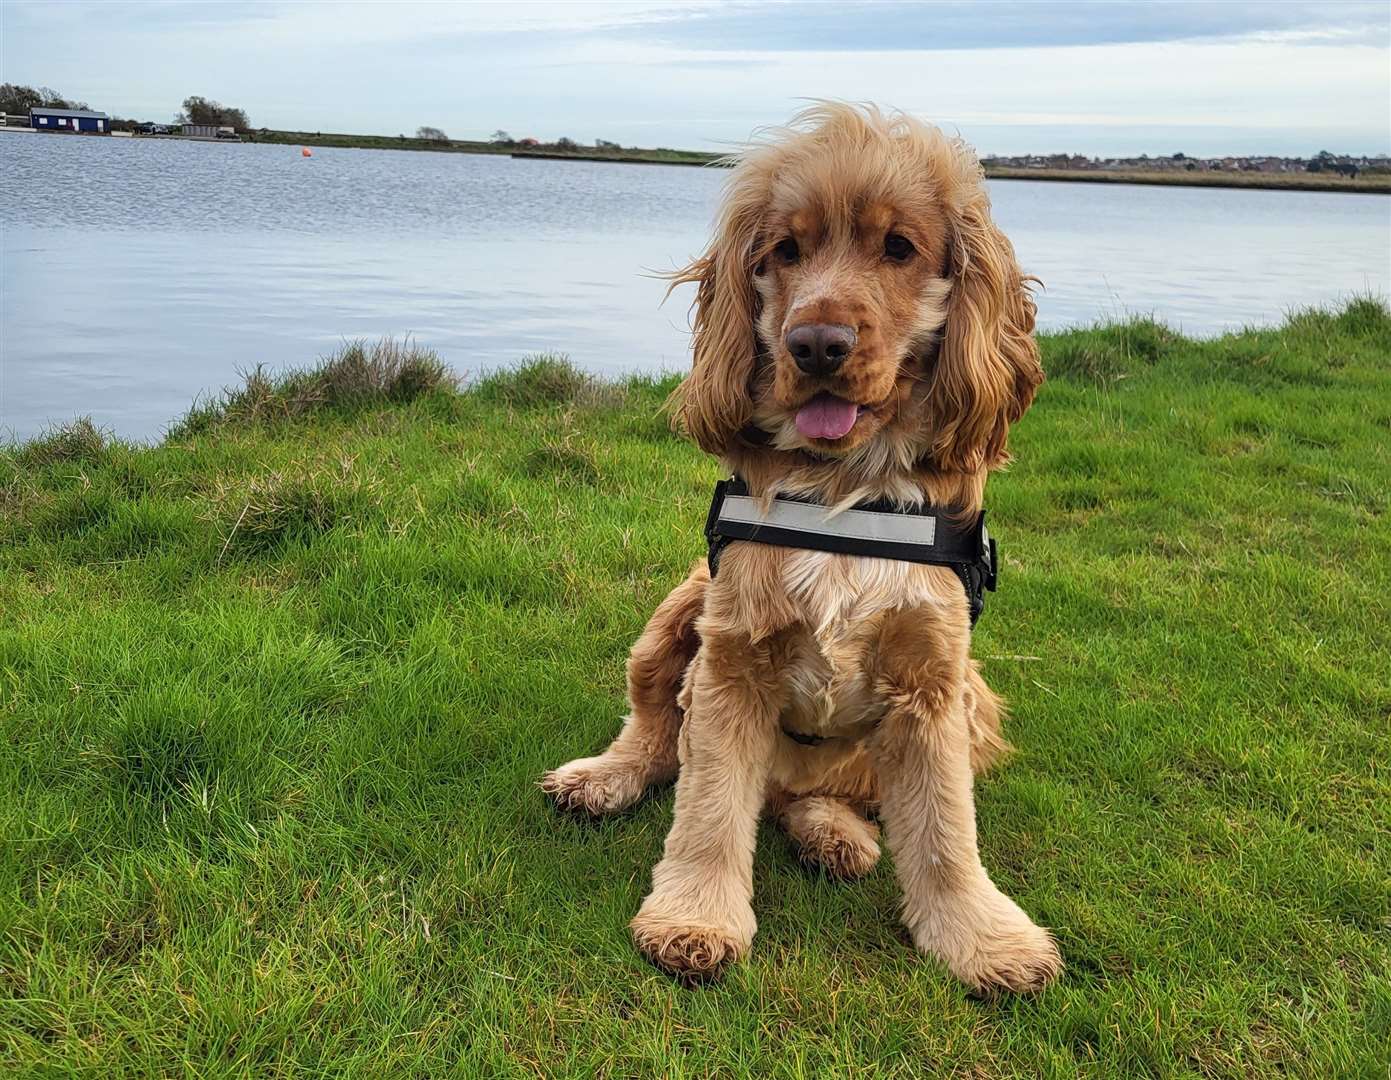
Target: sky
{"x": 1096, "y": 78}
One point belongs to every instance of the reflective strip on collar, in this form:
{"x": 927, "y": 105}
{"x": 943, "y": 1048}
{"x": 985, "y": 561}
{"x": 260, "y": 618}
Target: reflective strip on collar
{"x": 851, "y": 524}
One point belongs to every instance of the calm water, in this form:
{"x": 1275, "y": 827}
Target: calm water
{"x": 138, "y": 274}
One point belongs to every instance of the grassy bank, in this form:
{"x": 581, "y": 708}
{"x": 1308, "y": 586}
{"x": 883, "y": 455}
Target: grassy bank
{"x": 631, "y": 157}
{"x": 659, "y": 156}
{"x": 373, "y": 142}
{"x": 275, "y": 696}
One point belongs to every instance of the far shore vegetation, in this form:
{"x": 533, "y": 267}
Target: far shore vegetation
{"x": 1324, "y": 171}
{"x": 275, "y": 694}
{"x": 1317, "y": 174}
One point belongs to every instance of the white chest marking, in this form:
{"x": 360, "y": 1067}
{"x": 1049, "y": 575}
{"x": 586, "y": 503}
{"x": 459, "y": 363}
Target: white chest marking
{"x": 840, "y": 595}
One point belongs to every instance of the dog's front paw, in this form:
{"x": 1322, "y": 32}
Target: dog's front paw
{"x": 595, "y": 785}
{"x": 687, "y": 949}
{"x": 990, "y": 944}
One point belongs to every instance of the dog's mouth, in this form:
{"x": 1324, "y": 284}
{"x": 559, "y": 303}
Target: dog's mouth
{"x": 828, "y": 417}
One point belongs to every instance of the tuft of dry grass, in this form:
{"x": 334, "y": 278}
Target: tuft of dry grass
{"x": 566, "y": 457}
{"x": 1108, "y": 351}
{"x": 358, "y": 375}
{"x": 78, "y": 440}
{"x": 254, "y": 516}
{"x": 547, "y": 379}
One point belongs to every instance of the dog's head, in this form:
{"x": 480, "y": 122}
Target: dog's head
{"x": 857, "y": 289}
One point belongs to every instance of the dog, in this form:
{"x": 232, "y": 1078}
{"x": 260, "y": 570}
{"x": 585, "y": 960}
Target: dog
{"x": 861, "y": 331}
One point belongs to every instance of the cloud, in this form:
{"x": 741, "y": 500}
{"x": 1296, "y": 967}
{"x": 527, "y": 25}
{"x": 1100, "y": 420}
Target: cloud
{"x": 1092, "y": 78}
{"x": 892, "y": 27}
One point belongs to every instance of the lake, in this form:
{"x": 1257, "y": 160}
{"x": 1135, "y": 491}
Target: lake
{"x": 141, "y": 273}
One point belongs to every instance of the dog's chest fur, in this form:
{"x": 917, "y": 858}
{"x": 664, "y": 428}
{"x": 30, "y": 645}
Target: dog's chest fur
{"x": 832, "y": 653}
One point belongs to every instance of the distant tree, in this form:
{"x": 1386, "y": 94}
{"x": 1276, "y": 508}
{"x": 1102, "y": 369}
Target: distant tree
{"x": 604, "y": 144}
{"x": 566, "y": 143}
{"x": 1320, "y": 161}
{"x": 204, "y": 112}
{"x": 20, "y": 99}
{"x": 54, "y": 100}
{"x": 1180, "y": 156}
{"x": 433, "y": 134}
{"x": 502, "y": 138}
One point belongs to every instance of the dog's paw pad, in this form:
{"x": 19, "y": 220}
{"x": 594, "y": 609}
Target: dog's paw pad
{"x": 1017, "y": 959}
{"x": 693, "y": 955}
{"x": 589, "y": 791}
{"x": 1023, "y": 968}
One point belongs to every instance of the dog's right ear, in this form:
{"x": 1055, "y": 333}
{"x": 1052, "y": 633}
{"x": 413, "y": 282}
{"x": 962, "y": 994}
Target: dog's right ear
{"x": 715, "y": 402}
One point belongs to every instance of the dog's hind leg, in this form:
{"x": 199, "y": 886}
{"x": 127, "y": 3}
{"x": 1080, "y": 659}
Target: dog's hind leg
{"x": 830, "y": 834}
{"x": 984, "y": 710}
{"x": 828, "y": 827}
{"x": 644, "y": 753}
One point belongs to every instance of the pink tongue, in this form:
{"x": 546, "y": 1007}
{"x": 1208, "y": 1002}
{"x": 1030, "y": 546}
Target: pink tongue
{"x": 826, "y": 417}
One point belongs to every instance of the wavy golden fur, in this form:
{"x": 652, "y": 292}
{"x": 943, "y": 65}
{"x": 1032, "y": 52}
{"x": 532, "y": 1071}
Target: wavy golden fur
{"x": 861, "y": 330}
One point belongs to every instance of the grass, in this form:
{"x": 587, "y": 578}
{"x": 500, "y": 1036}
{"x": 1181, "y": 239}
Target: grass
{"x": 275, "y": 695}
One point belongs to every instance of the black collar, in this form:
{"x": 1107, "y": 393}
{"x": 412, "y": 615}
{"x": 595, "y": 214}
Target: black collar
{"x": 878, "y": 529}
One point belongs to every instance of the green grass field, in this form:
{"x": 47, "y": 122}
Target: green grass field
{"x": 276, "y": 693}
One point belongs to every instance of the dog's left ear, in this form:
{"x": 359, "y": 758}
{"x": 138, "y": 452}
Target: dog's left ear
{"x": 987, "y": 367}
{"x": 715, "y": 401}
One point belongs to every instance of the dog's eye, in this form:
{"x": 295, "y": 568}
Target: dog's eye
{"x": 787, "y": 250}
{"x": 897, "y": 247}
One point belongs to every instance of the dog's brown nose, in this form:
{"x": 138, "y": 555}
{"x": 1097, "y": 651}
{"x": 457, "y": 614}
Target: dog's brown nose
{"x": 820, "y": 348}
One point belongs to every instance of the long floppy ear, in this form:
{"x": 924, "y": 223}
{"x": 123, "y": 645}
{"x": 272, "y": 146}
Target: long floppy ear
{"x": 715, "y": 401}
{"x": 987, "y": 368}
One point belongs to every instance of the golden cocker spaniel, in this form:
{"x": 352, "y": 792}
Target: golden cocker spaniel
{"x": 862, "y": 332}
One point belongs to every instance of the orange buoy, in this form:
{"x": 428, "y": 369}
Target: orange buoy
{"x": 305, "y": 151}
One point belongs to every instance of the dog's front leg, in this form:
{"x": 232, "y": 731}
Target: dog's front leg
{"x": 922, "y": 755}
{"x": 698, "y": 917}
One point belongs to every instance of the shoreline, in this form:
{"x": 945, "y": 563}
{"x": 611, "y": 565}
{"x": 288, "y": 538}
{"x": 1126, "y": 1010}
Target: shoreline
{"x": 1305, "y": 181}
{"x": 1378, "y": 185}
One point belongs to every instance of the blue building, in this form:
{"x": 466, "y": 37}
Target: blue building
{"x": 98, "y": 123}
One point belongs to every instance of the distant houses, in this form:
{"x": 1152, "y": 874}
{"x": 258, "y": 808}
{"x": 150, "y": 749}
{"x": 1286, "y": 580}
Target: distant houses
{"x": 1260, "y": 163}
{"x": 82, "y": 121}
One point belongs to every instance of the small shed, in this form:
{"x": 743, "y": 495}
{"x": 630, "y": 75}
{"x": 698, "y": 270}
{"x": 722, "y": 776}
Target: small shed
{"x": 98, "y": 123}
